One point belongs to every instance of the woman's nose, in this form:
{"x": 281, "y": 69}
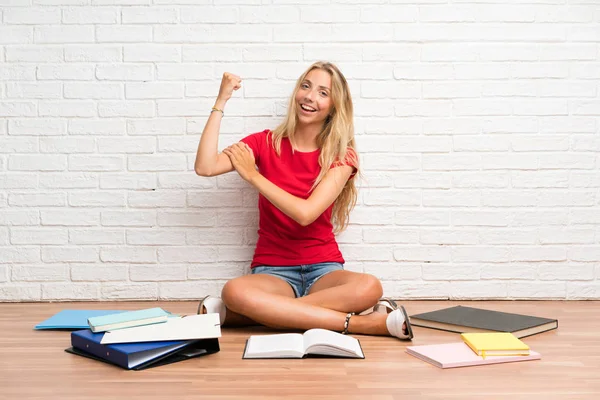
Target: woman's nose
{"x": 309, "y": 95}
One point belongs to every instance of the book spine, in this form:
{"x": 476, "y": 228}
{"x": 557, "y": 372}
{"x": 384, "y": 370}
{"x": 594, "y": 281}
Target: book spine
{"x": 100, "y": 350}
{"x": 114, "y": 326}
{"x": 479, "y": 353}
{"x": 128, "y": 324}
{"x": 126, "y": 317}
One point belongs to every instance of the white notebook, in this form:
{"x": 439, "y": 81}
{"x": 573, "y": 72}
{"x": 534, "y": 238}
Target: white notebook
{"x": 201, "y": 326}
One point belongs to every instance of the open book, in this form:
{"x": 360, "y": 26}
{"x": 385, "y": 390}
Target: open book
{"x": 320, "y": 342}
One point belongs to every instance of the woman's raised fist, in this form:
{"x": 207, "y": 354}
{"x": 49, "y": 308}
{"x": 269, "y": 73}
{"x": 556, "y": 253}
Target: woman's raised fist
{"x": 229, "y": 83}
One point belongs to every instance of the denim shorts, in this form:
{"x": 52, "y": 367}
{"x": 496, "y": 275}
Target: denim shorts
{"x": 300, "y": 277}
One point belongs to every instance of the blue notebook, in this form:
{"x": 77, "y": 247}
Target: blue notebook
{"x": 72, "y": 319}
{"x": 127, "y": 319}
{"x": 139, "y": 355}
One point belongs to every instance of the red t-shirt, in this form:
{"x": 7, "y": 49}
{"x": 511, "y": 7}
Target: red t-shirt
{"x": 281, "y": 240}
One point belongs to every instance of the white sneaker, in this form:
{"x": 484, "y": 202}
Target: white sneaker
{"x": 213, "y": 305}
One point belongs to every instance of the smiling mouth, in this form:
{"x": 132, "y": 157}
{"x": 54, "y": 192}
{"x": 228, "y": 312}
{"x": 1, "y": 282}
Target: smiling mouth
{"x": 307, "y": 108}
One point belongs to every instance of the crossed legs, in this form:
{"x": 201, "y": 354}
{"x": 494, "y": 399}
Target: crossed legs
{"x": 270, "y": 301}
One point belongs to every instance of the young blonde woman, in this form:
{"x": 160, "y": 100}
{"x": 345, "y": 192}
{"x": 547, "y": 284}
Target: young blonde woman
{"x": 305, "y": 180}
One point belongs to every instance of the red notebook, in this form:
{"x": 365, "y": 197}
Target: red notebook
{"x": 452, "y": 355}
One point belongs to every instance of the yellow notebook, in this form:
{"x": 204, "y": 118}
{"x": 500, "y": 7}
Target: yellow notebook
{"x": 495, "y": 344}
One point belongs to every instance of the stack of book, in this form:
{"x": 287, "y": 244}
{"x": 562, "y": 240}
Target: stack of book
{"x": 488, "y": 337}
{"x": 146, "y": 338}
{"x": 475, "y": 349}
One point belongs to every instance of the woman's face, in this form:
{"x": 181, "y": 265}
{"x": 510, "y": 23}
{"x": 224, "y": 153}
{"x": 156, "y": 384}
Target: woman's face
{"x": 313, "y": 99}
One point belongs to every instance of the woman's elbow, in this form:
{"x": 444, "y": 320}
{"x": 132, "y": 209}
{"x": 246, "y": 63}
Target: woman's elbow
{"x": 303, "y": 223}
{"x": 305, "y": 219}
{"x": 202, "y": 171}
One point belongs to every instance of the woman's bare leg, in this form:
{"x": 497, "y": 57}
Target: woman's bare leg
{"x": 345, "y": 291}
{"x": 271, "y": 284}
{"x": 262, "y": 298}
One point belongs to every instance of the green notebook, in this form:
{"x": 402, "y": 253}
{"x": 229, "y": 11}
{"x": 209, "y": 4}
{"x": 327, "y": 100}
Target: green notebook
{"x": 127, "y": 319}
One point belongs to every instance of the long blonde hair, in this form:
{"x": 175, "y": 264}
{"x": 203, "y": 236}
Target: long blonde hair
{"x": 334, "y": 140}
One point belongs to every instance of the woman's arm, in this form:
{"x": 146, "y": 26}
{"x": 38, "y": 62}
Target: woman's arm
{"x": 300, "y": 210}
{"x": 208, "y": 160}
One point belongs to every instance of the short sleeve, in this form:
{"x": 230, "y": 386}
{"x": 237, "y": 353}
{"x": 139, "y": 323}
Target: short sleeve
{"x": 257, "y": 142}
{"x": 350, "y": 159}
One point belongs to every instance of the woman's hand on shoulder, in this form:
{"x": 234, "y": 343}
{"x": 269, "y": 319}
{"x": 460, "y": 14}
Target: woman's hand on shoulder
{"x": 229, "y": 83}
{"x": 242, "y": 159}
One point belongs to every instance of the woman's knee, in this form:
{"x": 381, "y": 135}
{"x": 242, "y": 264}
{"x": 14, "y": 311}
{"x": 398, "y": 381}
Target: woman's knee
{"x": 370, "y": 288}
{"x": 234, "y": 294}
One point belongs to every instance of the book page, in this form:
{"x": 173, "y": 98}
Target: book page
{"x": 316, "y": 341}
{"x": 281, "y": 345}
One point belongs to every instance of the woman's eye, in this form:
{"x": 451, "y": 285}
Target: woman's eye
{"x": 305, "y": 85}
{"x": 324, "y": 94}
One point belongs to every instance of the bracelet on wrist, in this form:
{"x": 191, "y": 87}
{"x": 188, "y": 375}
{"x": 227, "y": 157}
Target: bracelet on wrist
{"x": 217, "y": 109}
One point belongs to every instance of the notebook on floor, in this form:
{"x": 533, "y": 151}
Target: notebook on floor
{"x": 462, "y": 319}
{"x": 495, "y": 344}
{"x": 72, "y": 319}
{"x": 453, "y": 355}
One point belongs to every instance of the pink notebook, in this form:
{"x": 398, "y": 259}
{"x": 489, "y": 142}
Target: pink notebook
{"x": 452, "y": 355}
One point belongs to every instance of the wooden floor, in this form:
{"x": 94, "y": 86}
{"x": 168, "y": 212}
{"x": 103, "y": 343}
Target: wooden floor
{"x": 33, "y": 364}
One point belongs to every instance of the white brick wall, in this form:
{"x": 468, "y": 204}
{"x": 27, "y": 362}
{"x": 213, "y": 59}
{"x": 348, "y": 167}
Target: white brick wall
{"x": 478, "y": 125}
